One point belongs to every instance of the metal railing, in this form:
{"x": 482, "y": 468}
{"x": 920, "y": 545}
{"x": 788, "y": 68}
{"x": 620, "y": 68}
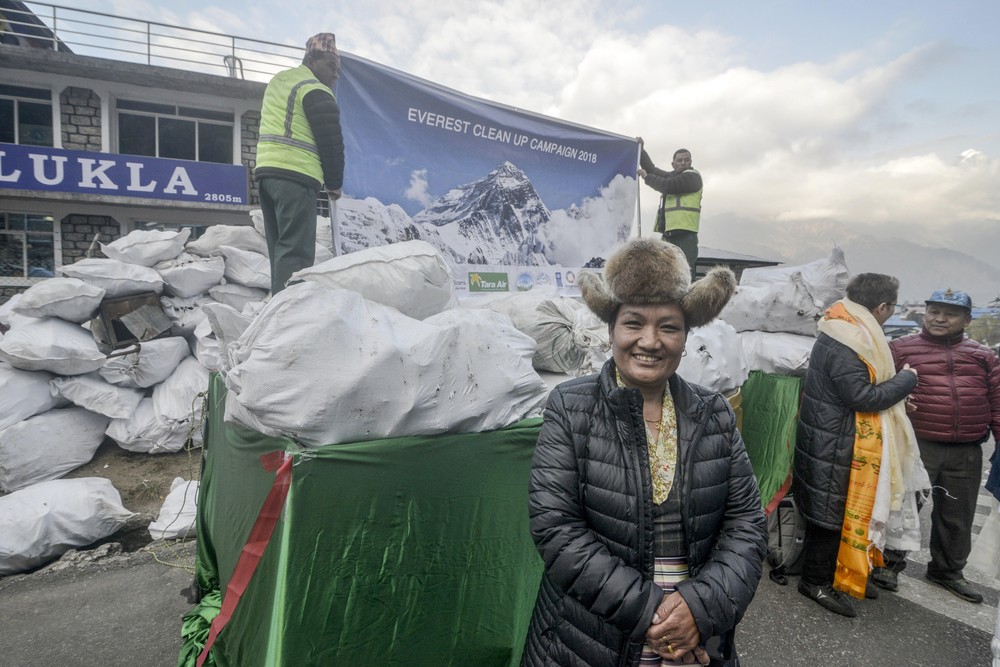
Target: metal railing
{"x": 97, "y": 34}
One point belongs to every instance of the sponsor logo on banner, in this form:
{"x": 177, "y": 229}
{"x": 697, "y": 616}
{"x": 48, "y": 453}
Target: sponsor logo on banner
{"x": 488, "y": 282}
{"x": 542, "y": 279}
{"x": 570, "y": 278}
{"x": 524, "y": 282}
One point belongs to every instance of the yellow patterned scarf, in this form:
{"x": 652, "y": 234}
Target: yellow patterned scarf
{"x": 662, "y": 448}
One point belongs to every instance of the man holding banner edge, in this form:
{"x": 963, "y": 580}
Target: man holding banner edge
{"x": 300, "y": 150}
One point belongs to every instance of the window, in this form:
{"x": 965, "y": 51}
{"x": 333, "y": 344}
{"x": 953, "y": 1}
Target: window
{"x": 27, "y": 245}
{"x": 25, "y": 116}
{"x": 177, "y": 132}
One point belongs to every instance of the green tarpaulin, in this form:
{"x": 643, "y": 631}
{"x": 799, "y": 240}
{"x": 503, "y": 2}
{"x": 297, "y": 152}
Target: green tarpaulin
{"x": 770, "y": 412}
{"x": 411, "y": 551}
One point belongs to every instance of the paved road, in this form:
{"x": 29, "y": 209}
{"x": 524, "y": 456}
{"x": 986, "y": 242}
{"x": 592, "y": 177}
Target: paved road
{"x": 126, "y": 610}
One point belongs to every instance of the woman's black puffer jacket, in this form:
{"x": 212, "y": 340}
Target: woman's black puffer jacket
{"x": 837, "y": 386}
{"x": 591, "y": 518}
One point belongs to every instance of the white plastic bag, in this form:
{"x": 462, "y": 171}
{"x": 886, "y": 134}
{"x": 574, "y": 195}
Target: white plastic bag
{"x": 94, "y": 393}
{"x": 190, "y": 275}
{"x": 825, "y": 279}
{"x": 243, "y": 237}
{"x": 777, "y": 307}
{"x": 145, "y": 432}
{"x": 69, "y": 299}
{"x": 152, "y": 364}
{"x": 714, "y": 358}
{"x": 778, "y": 353}
{"x": 178, "y": 512}
{"x": 184, "y": 313}
{"x": 114, "y": 277}
{"x": 327, "y": 366}
{"x": 176, "y": 400}
{"x": 412, "y": 277}
{"x": 45, "y": 520}
{"x": 51, "y": 344}
{"x": 246, "y": 268}
{"x": 48, "y": 446}
{"x": 23, "y": 394}
{"x": 146, "y": 247}
{"x": 237, "y": 296}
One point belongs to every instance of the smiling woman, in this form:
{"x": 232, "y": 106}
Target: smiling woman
{"x": 634, "y": 569}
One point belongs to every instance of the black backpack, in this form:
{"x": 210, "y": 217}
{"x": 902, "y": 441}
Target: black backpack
{"x": 786, "y": 532}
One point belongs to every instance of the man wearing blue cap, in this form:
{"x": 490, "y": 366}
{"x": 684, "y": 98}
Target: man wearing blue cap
{"x": 953, "y": 410}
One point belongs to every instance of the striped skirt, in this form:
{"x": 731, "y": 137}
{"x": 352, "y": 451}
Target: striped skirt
{"x": 667, "y": 573}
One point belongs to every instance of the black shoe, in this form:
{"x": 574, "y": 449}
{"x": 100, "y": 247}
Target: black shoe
{"x": 829, "y": 598}
{"x": 871, "y": 593}
{"x": 885, "y": 578}
{"x": 958, "y": 587}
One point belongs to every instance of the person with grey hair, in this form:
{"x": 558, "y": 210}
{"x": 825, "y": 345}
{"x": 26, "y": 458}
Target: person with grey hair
{"x": 642, "y": 501}
{"x": 300, "y": 150}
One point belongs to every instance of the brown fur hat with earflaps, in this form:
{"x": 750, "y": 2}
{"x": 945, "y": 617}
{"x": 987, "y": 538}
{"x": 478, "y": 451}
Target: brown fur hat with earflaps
{"x": 650, "y": 272}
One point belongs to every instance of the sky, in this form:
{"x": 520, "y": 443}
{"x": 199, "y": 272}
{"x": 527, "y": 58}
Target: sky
{"x": 884, "y": 115}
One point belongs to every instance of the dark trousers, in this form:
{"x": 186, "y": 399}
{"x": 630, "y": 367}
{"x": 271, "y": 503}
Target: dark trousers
{"x": 819, "y": 555}
{"x": 289, "y": 210}
{"x": 687, "y": 241}
{"x": 956, "y": 471}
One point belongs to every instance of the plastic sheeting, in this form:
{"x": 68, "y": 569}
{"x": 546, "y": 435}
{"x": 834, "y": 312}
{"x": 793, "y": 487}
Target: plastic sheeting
{"x": 409, "y": 551}
{"x": 770, "y": 411}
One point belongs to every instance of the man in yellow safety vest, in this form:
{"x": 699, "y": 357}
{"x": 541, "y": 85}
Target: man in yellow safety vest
{"x": 299, "y": 151}
{"x": 680, "y": 201}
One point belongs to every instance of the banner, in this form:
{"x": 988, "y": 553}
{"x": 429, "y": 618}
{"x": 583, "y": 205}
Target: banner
{"x": 513, "y": 200}
{"x": 111, "y": 174}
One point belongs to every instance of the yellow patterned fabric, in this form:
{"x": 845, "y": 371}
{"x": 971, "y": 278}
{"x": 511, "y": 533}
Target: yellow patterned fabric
{"x": 662, "y": 446}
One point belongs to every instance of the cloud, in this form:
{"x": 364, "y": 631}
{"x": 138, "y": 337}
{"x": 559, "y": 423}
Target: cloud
{"x": 417, "y": 191}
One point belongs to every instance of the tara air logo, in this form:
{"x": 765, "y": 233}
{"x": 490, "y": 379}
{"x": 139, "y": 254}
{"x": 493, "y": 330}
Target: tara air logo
{"x": 488, "y": 282}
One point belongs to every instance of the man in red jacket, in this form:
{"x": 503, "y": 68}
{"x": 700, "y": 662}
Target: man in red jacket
{"x": 953, "y": 409}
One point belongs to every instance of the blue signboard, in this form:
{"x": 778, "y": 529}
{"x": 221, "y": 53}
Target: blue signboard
{"x": 110, "y": 174}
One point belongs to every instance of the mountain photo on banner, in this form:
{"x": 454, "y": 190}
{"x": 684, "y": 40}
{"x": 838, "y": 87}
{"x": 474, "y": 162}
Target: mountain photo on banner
{"x": 490, "y": 186}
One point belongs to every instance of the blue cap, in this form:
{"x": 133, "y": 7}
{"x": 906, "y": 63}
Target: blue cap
{"x": 952, "y": 298}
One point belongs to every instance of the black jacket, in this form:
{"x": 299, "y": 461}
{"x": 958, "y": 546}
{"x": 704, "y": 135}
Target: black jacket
{"x": 591, "y": 518}
{"x": 837, "y": 386}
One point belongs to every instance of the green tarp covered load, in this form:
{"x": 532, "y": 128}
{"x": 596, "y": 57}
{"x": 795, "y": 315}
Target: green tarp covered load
{"x": 404, "y": 551}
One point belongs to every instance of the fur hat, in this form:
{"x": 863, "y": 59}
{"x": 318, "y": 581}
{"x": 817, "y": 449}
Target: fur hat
{"x": 648, "y": 272}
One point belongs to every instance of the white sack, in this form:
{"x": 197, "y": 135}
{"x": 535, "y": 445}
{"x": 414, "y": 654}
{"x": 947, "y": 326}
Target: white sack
{"x": 226, "y": 326}
{"x": 205, "y": 346}
{"x": 190, "y": 275}
{"x": 114, "y": 277}
{"x": 45, "y": 520}
{"x": 178, "y": 512}
{"x": 324, "y": 233}
{"x": 327, "y": 366}
{"x": 145, "y": 432}
{"x": 825, "y": 279}
{"x": 23, "y": 394}
{"x": 322, "y": 255}
{"x": 176, "y": 401}
{"x": 237, "y": 296}
{"x": 411, "y": 276}
{"x": 779, "y": 353}
{"x": 69, "y": 299}
{"x": 146, "y": 247}
{"x": 257, "y": 219}
{"x": 93, "y": 392}
{"x": 51, "y": 344}
{"x": 785, "y": 307}
{"x": 48, "y": 446}
{"x": 243, "y": 237}
{"x": 564, "y": 330}
{"x": 184, "y": 313}
{"x": 152, "y": 364}
{"x": 245, "y": 267}
{"x": 7, "y": 310}
{"x": 714, "y": 358}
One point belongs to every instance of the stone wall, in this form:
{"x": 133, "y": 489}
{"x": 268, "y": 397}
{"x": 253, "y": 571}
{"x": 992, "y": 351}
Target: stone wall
{"x": 81, "y": 119}
{"x": 78, "y": 234}
{"x": 249, "y": 131}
